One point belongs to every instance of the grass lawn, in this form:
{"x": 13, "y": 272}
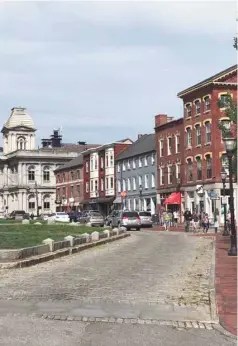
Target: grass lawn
{"x": 19, "y": 236}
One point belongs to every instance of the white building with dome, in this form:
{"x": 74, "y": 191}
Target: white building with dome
{"x": 27, "y": 180}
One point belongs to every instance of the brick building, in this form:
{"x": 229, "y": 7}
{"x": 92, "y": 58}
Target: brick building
{"x": 169, "y": 147}
{"x": 99, "y": 175}
{"x": 69, "y": 185}
{"x": 204, "y": 154}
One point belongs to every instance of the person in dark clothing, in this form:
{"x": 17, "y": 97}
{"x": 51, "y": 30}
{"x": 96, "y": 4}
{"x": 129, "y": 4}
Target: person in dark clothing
{"x": 188, "y": 217}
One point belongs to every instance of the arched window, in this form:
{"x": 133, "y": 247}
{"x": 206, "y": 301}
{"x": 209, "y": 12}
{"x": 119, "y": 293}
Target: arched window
{"x": 31, "y": 202}
{"x": 189, "y": 169}
{"x": 209, "y": 166}
{"x": 21, "y": 143}
{"x": 31, "y": 173}
{"x": 46, "y": 174}
{"x": 46, "y": 202}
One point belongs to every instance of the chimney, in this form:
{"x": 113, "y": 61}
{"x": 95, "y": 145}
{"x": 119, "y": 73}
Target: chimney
{"x": 139, "y": 135}
{"x": 162, "y": 119}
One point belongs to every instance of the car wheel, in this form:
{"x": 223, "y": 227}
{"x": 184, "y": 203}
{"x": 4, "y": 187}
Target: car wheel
{"x": 138, "y": 228}
{"x": 102, "y": 225}
{"x": 128, "y": 229}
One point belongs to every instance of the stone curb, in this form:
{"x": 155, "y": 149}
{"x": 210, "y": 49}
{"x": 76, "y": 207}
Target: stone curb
{"x": 225, "y": 332}
{"x": 60, "y": 253}
{"x": 212, "y": 282}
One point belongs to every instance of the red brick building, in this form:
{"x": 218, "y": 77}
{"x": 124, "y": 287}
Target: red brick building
{"x": 99, "y": 175}
{"x": 69, "y": 185}
{"x": 169, "y": 147}
{"x": 204, "y": 153}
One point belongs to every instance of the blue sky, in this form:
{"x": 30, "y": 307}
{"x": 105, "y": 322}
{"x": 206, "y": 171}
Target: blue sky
{"x": 102, "y": 70}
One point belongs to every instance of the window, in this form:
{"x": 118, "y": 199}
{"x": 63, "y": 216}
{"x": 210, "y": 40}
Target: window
{"x": 198, "y": 134}
{"x": 188, "y": 110}
{"x": 225, "y": 163}
{"x": 118, "y": 168}
{"x": 95, "y": 163}
{"x": 153, "y": 158}
{"x": 170, "y": 175}
{"x": 146, "y": 160}
{"x": 134, "y": 183}
{"x": 140, "y": 162}
{"x": 226, "y": 124}
{"x": 178, "y": 172}
{"x": 140, "y": 180}
{"x": 161, "y": 147}
{"x": 87, "y": 187}
{"x": 106, "y": 160}
{"x": 78, "y": 189}
{"x": 31, "y": 173}
{"x": 102, "y": 162}
{"x": 46, "y": 174}
{"x": 111, "y": 160}
{"x": 161, "y": 176}
{"x": 96, "y": 185}
{"x": 63, "y": 177}
{"x": 64, "y": 191}
{"x": 169, "y": 145}
{"x": 124, "y": 184}
{"x": 177, "y": 144}
{"x": 102, "y": 184}
{"x": 58, "y": 178}
{"x": 128, "y": 164}
{"x": 91, "y": 185}
{"x": 189, "y": 170}
{"x": 197, "y": 107}
{"x": 209, "y": 166}
{"x": 134, "y": 163}
{"x": 91, "y": 164}
{"x": 72, "y": 191}
{"x": 78, "y": 174}
{"x": 123, "y": 166}
{"x": 199, "y": 168}
{"x": 118, "y": 186}
{"x": 207, "y": 103}
{"x": 208, "y": 132}
{"x": 21, "y": 143}
{"x": 46, "y": 205}
{"x": 58, "y": 194}
{"x": 146, "y": 181}
{"x": 111, "y": 183}
{"x": 152, "y": 180}
{"x": 189, "y": 137}
{"x": 86, "y": 167}
{"x": 72, "y": 175}
{"x": 129, "y": 184}
{"x": 224, "y": 100}
{"x": 107, "y": 183}
{"x": 31, "y": 205}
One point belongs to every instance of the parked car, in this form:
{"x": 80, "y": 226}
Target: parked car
{"x": 128, "y": 219}
{"x": 146, "y": 218}
{"x": 108, "y": 220}
{"x": 75, "y": 216}
{"x": 59, "y": 217}
{"x": 45, "y": 217}
{"x": 17, "y": 215}
{"x": 92, "y": 217}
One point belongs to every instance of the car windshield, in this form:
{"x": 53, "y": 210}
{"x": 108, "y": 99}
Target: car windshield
{"x": 145, "y": 213}
{"x": 130, "y": 214}
{"x": 95, "y": 214}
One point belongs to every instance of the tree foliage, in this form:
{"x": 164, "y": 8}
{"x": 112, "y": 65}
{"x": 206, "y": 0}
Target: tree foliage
{"x": 230, "y": 110}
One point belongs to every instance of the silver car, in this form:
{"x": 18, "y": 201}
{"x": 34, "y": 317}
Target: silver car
{"x": 127, "y": 219}
{"x": 96, "y": 219}
{"x": 145, "y": 218}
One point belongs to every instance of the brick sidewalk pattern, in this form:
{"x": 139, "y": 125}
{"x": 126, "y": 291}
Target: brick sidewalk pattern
{"x": 226, "y": 285}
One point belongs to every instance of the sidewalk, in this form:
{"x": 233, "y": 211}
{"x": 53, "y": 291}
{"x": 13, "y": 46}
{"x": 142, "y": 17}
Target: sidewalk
{"x": 226, "y": 285}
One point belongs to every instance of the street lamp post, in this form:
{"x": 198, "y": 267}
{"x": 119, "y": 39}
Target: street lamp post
{"x": 140, "y": 191}
{"x": 230, "y": 144}
{"x": 223, "y": 178}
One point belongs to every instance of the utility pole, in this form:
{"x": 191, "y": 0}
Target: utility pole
{"x": 37, "y": 201}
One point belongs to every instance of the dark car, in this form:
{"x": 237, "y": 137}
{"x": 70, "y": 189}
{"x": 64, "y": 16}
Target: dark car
{"x": 74, "y": 216}
{"x": 17, "y": 215}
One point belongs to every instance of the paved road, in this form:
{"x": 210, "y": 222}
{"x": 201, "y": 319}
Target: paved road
{"x": 138, "y": 291}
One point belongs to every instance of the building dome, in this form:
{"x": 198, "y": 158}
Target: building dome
{"x": 19, "y": 117}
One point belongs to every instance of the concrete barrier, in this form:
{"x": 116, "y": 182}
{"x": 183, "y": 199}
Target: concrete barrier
{"x": 87, "y": 237}
{"x": 95, "y": 236}
{"x": 107, "y": 232}
{"x": 16, "y": 254}
{"x": 61, "y": 245}
{"x": 80, "y": 240}
{"x": 25, "y": 222}
{"x": 103, "y": 235}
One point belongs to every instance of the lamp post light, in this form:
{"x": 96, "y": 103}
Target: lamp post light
{"x": 140, "y": 191}
{"x": 223, "y": 179}
{"x": 230, "y": 145}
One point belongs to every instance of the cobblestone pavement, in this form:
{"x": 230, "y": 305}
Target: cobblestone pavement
{"x": 152, "y": 281}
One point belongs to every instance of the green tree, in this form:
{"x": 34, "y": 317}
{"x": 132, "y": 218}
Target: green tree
{"x": 229, "y": 130}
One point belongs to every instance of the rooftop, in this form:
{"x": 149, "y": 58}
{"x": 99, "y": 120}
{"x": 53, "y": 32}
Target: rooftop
{"x": 144, "y": 144}
{"x": 19, "y": 117}
{"x": 215, "y": 78}
{"x": 76, "y": 162}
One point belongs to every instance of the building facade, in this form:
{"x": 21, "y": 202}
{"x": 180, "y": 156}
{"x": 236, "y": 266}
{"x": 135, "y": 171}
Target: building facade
{"x": 99, "y": 175}
{"x": 69, "y": 185}
{"x": 27, "y": 179}
{"x": 136, "y": 176}
{"x": 204, "y": 153}
{"x": 169, "y": 135}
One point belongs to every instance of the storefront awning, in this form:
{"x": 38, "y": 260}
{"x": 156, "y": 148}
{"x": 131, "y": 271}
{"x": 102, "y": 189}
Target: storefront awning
{"x": 118, "y": 200}
{"x": 174, "y": 198}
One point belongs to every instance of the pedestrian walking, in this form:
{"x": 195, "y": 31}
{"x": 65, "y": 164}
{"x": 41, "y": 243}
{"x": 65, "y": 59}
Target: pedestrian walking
{"x": 175, "y": 216}
{"x": 205, "y": 223}
{"x": 187, "y": 217}
{"x": 195, "y": 222}
{"x": 166, "y": 221}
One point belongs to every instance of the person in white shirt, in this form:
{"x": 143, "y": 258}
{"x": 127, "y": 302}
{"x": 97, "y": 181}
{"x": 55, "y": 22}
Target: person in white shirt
{"x": 175, "y": 217}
